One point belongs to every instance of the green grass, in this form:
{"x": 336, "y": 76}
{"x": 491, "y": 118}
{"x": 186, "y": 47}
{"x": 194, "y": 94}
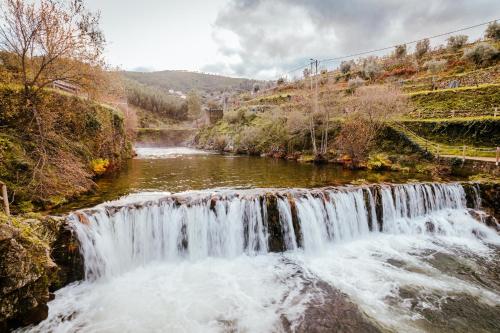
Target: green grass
{"x": 458, "y": 102}
{"x": 438, "y": 148}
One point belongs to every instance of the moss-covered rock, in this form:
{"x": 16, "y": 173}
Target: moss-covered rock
{"x": 37, "y": 255}
{"x": 490, "y": 197}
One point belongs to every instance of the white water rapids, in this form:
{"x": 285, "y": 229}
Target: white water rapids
{"x": 202, "y": 261}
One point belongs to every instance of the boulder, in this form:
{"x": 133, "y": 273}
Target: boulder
{"x": 37, "y": 256}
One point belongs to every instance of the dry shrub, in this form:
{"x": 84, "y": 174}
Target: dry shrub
{"x": 493, "y": 31}
{"x": 356, "y": 137}
{"x": 400, "y": 51}
{"x": 455, "y": 43}
{"x": 435, "y": 66}
{"x": 372, "y": 68}
{"x": 297, "y": 123}
{"x": 379, "y": 102}
{"x": 346, "y": 66}
{"x": 482, "y": 54}
{"x": 372, "y": 106}
{"x": 422, "y": 48}
{"x": 249, "y": 139}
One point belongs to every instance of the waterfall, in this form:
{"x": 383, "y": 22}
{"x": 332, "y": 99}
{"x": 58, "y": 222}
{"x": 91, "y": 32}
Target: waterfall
{"x": 115, "y": 237}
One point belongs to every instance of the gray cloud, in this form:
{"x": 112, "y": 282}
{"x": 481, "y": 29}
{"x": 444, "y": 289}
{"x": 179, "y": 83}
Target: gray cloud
{"x": 262, "y": 38}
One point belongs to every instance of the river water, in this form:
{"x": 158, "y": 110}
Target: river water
{"x": 184, "y": 169}
{"x": 208, "y": 243}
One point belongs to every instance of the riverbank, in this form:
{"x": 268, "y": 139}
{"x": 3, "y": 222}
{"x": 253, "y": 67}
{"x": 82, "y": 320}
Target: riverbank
{"x": 51, "y": 161}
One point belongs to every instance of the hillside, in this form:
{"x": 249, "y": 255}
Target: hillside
{"x": 186, "y": 81}
{"x": 451, "y": 95}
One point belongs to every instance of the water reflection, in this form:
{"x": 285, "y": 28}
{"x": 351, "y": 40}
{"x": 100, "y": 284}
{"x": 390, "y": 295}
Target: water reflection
{"x": 202, "y": 171}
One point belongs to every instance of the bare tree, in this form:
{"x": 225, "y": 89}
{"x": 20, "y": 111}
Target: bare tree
{"x": 372, "y": 107}
{"x": 52, "y": 40}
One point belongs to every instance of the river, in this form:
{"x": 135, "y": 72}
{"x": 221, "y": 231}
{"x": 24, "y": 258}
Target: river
{"x": 209, "y": 243}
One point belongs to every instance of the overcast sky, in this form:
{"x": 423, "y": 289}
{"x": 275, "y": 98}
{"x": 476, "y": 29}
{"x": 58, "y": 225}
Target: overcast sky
{"x": 264, "y": 38}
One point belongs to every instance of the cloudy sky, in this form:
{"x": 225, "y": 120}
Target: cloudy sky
{"x": 264, "y": 38}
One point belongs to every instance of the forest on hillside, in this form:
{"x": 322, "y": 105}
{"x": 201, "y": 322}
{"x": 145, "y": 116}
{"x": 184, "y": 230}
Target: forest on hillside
{"x": 185, "y": 81}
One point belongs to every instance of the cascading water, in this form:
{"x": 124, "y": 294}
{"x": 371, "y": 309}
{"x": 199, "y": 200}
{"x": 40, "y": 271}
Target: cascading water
{"x": 246, "y": 260}
{"x": 228, "y": 224}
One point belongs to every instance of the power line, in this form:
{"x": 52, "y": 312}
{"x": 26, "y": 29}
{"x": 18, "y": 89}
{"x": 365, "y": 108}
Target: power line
{"x": 393, "y": 46}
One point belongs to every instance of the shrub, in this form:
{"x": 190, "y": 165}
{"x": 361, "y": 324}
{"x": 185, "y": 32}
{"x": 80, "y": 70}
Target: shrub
{"x": 371, "y": 69}
{"x": 354, "y": 83}
{"x": 493, "y": 31}
{"x": 457, "y": 42}
{"x": 422, "y": 48}
{"x": 249, "y": 139}
{"x": 400, "y": 51}
{"x": 221, "y": 142}
{"x": 235, "y": 116}
{"x": 435, "y": 66}
{"x": 256, "y": 88}
{"x": 99, "y": 166}
{"x": 280, "y": 81}
{"x": 481, "y": 54}
{"x": 373, "y": 106}
{"x": 306, "y": 73}
{"x": 346, "y": 66}
{"x": 297, "y": 123}
{"x": 379, "y": 162}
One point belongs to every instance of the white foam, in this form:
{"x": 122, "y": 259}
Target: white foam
{"x": 245, "y": 294}
{"x": 191, "y": 264}
{"x": 166, "y": 152}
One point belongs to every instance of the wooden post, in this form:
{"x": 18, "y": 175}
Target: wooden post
{"x": 498, "y": 156}
{"x": 463, "y": 154}
{"x": 495, "y": 113}
{"x": 5, "y": 199}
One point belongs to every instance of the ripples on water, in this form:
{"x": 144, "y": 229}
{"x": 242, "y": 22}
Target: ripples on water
{"x": 406, "y": 279}
{"x": 183, "y": 169}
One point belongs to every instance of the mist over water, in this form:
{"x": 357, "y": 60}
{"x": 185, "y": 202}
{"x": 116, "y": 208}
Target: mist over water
{"x": 201, "y": 261}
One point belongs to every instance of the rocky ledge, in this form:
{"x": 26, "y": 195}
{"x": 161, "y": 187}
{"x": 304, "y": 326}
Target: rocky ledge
{"x": 38, "y": 255}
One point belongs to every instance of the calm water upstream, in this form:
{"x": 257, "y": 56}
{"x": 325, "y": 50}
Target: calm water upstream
{"x": 222, "y": 254}
{"x": 183, "y": 169}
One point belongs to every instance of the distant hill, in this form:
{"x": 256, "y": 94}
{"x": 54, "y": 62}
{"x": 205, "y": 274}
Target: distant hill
{"x": 185, "y": 81}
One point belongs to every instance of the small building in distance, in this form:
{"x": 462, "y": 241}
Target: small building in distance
{"x": 214, "y": 111}
{"x": 214, "y": 114}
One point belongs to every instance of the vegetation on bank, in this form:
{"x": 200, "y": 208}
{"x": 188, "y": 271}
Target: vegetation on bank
{"x": 478, "y": 132}
{"x": 81, "y": 139}
{"x": 472, "y": 101}
{"x": 52, "y": 144}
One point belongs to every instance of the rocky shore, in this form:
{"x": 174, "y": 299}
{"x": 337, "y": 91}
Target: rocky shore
{"x": 38, "y": 255}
